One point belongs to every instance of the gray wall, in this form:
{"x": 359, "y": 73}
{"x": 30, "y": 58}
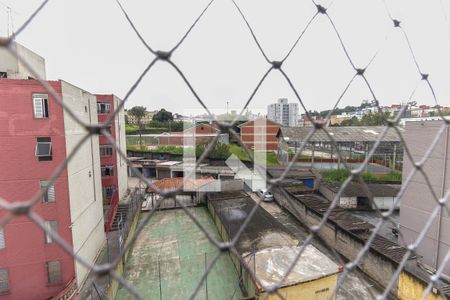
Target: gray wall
{"x": 374, "y": 264}
{"x": 418, "y": 203}
{"x": 15, "y": 69}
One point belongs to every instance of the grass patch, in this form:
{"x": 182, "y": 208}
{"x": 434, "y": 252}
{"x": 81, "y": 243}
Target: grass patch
{"x": 271, "y": 157}
{"x": 339, "y": 176}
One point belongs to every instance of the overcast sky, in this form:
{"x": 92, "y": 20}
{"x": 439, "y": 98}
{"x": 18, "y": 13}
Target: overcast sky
{"x": 90, "y": 44}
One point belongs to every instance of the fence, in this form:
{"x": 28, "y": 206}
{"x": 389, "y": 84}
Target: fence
{"x": 109, "y": 268}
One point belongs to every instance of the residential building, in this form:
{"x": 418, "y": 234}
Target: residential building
{"x": 113, "y": 165}
{"x": 338, "y": 119}
{"x": 145, "y": 119}
{"x": 36, "y": 137}
{"x": 283, "y": 112}
{"x": 418, "y": 202}
{"x": 260, "y": 134}
{"x": 13, "y": 68}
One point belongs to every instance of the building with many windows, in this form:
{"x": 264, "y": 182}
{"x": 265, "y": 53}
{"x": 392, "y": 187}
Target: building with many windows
{"x": 37, "y": 136}
{"x": 283, "y": 112}
{"x": 113, "y": 165}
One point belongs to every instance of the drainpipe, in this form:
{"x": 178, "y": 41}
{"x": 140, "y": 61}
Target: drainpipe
{"x": 92, "y": 150}
{"x": 444, "y": 175}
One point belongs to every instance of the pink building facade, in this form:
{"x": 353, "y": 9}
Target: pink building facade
{"x": 36, "y": 137}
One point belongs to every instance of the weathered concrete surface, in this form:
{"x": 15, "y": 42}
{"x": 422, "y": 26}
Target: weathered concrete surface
{"x": 168, "y": 259}
{"x": 356, "y": 286}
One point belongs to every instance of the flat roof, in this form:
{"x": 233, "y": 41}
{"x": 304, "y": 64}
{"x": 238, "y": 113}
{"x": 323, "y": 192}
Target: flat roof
{"x": 169, "y": 163}
{"x": 340, "y": 134}
{"x": 293, "y": 173}
{"x": 272, "y": 264}
{"x": 269, "y": 241}
{"x": 355, "y": 189}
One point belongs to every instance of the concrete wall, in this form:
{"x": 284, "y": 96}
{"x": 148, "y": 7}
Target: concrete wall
{"x": 86, "y": 207}
{"x": 348, "y": 202}
{"x": 122, "y": 177}
{"x": 384, "y": 203}
{"x": 16, "y": 69}
{"x": 316, "y": 289}
{"x": 418, "y": 202}
{"x": 375, "y": 265}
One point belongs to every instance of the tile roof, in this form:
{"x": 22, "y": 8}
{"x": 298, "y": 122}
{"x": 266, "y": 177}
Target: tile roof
{"x": 167, "y": 184}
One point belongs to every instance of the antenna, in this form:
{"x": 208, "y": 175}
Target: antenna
{"x": 9, "y": 19}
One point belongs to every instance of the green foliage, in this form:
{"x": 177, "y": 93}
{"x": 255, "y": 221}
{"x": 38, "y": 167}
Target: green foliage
{"x": 220, "y": 151}
{"x": 340, "y": 175}
{"x": 371, "y": 119}
{"x": 130, "y": 129}
{"x": 444, "y": 111}
{"x": 335, "y": 176}
{"x": 271, "y": 157}
{"x": 138, "y": 112}
{"x": 163, "y": 116}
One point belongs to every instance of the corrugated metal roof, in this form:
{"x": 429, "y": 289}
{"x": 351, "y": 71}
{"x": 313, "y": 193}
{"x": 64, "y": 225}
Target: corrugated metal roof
{"x": 340, "y": 134}
{"x": 355, "y": 225}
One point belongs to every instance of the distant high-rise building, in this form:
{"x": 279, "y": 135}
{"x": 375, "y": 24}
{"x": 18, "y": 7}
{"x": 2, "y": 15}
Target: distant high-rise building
{"x": 283, "y": 112}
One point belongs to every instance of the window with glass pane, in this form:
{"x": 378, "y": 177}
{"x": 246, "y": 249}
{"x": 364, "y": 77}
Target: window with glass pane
{"x": 43, "y": 150}
{"x": 4, "y": 281}
{"x": 50, "y": 225}
{"x": 40, "y": 106}
{"x": 49, "y": 195}
{"x": 54, "y": 271}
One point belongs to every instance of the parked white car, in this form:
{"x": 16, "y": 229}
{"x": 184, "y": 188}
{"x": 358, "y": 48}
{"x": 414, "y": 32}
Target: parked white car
{"x": 265, "y": 195}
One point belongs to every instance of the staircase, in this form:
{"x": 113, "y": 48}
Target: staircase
{"x": 122, "y": 210}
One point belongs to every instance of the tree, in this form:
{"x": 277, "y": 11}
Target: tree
{"x": 163, "y": 116}
{"x": 138, "y": 112}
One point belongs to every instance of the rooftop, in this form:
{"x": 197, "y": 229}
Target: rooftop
{"x": 167, "y": 184}
{"x": 355, "y": 189}
{"x": 269, "y": 241}
{"x": 272, "y": 264}
{"x": 340, "y": 134}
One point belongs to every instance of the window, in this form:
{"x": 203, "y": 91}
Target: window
{"x": 43, "y": 148}
{"x": 3, "y": 75}
{"x": 40, "y": 105}
{"x": 49, "y": 195}
{"x": 107, "y": 171}
{"x": 53, "y": 226}
{"x": 2, "y": 238}
{"x": 54, "y": 272}
{"x": 108, "y": 191}
{"x": 4, "y": 281}
{"x": 103, "y": 108}
{"x": 106, "y": 150}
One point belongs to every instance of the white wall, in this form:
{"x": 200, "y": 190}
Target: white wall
{"x": 348, "y": 202}
{"x": 384, "y": 203}
{"x": 16, "y": 69}
{"x": 122, "y": 175}
{"x": 85, "y": 188}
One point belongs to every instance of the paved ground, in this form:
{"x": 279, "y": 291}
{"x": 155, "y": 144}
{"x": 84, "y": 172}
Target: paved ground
{"x": 170, "y": 256}
{"x": 356, "y": 286}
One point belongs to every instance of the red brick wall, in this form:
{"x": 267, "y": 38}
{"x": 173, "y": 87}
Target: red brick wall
{"x": 250, "y": 130}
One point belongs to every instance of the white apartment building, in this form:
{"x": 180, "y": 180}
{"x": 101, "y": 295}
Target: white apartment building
{"x": 283, "y": 112}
